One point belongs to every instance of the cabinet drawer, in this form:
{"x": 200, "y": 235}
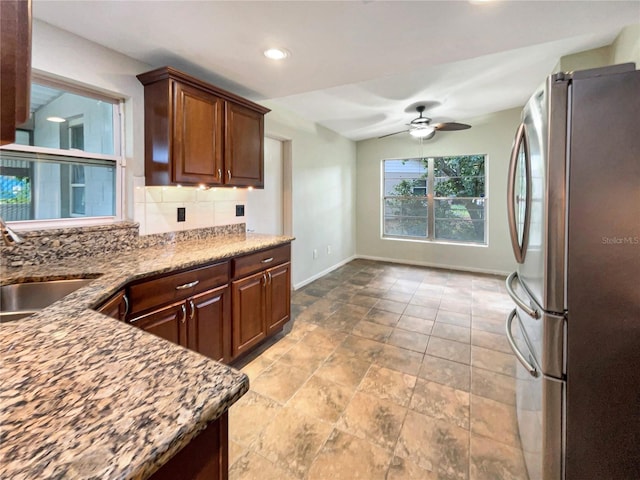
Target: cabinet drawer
{"x": 176, "y": 286}
{"x": 248, "y": 264}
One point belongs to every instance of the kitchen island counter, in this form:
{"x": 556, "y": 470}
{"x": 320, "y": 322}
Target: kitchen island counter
{"x": 87, "y": 396}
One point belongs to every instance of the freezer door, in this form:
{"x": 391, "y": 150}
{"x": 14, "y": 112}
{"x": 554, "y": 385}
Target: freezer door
{"x": 539, "y": 406}
{"x": 536, "y": 194}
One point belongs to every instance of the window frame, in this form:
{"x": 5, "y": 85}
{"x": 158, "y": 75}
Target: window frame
{"x": 118, "y": 158}
{"x": 431, "y": 202}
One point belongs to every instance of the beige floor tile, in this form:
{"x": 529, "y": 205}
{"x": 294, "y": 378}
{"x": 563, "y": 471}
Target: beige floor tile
{"x": 388, "y": 384}
{"x": 292, "y": 440}
{"x": 403, "y": 469}
{"x": 426, "y": 313}
{"x": 489, "y": 311}
{"x": 321, "y": 398}
{"x": 396, "y": 296}
{"x": 504, "y": 363}
{"x": 370, "y": 418}
{"x": 485, "y": 324}
{"x": 235, "y": 452}
{"x": 408, "y": 340}
{"x": 446, "y": 372}
{"x": 492, "y": 460}
{"x": 492, "y": 341}
{"x": 498, "y": 387}
{"x": 362, "y": 300}
{"x": 249, "y": 415}
{"x": 318, "y": 311}
{"x": 456, "y": 305}
{"x": 454, "y": 318}
{"x": 414, "y": 324}
{"x": 390, "y": 306}
{"x": 450, "y": 350}
{"x": 435, "y": 445}
{"x": 300, "y": 329}
{"x": 399, "y": 359}
{"x": 451, "y": 332}
{"x": 494, "y": 420}
{"x": 303, "y": 299}
{"x": 372, "y": 330}
{"x": 441, "y": 402}
{"x": 280, "y": 381}
{"x": 342, "y": 368}
{"x": 251, "y": 466}
{"x": 383, "y": 317}
{"x": 257, "y": 366}
{"x": 324, "y": 338}
{"x": 362, "y": 348}
{"x": 306, "y": 356}
{"x": 346, "y": 457}
{"x": 425, "y": 299}
{"x": 277, "y": 349}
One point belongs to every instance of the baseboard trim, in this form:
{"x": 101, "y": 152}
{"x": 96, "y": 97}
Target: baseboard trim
{"x": 434, "y": 265}
{"x": 321, "y": 274}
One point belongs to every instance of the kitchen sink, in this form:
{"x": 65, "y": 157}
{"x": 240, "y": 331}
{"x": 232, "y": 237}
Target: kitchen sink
{"x": 20, "y": 300}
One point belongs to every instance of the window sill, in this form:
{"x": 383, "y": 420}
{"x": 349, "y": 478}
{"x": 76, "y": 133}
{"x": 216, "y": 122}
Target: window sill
{"x": 433, "y": 242}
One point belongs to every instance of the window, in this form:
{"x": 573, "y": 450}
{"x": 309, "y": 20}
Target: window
{"x": 438, "y": 198}
{"x": 66, "y": 158}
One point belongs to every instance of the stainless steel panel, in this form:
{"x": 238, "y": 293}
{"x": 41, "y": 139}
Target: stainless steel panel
{"x": 603, "y": 325}
{"x": 545, "y": 119}
{"x": 539, "y": 407}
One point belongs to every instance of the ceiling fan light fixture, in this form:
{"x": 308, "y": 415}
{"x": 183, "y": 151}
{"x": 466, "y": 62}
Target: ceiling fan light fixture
{"x": 422, "y": 132}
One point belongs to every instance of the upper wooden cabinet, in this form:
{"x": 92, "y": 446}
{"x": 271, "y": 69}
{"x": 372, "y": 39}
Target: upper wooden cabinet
{"x": 15, "y": 66}
{"x": 196, "y": 133}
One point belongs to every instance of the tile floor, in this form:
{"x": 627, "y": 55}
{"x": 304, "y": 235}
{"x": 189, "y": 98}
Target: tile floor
{"x": 386, "y": 372}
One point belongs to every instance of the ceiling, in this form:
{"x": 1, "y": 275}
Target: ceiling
{"x": 356, "y": 67}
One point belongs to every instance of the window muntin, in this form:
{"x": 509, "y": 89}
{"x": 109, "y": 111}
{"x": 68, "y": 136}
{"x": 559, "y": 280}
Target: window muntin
{"x": 438, "y": 198}
{"x": 66, "y": 158}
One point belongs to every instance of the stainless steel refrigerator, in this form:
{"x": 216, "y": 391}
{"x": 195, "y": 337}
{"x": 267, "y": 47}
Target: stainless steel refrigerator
{"x": 574, "y": 218}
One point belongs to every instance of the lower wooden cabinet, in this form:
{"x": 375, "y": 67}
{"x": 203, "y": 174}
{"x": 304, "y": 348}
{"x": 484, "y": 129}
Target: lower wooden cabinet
{"x": 261, "y": 306}
{"x": 199, "y": 309}
{"x": 199, "y": 323}
{"x": 206, "y": 457}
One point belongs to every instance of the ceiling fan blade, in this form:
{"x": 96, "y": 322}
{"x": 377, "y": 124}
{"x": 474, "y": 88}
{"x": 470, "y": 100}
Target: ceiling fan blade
{"x": 389, "y": 134}
{"x": 451, "y": 126}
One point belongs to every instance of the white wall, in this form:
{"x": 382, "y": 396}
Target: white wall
{"x": 491, "y": 135}
{"x": 323, "y": 193}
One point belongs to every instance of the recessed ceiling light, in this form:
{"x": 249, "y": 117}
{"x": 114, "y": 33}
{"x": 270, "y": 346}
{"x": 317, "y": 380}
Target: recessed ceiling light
{"x": 56, "y": 119}
{"x": 276, "y": 53}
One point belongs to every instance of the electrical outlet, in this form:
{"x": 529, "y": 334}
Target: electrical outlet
{"x": 182, "y": 214}
{"x": 239, "y": 210}
{"x": 328, "y": 249}
{"x": 315, "y": 253}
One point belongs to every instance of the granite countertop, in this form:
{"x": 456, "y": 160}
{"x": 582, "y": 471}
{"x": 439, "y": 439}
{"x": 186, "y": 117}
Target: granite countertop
{"x": 87, "y": 396}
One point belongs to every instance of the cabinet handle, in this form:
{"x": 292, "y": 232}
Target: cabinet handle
{"x": 229, "y": 174}
{"x": 220, "y": 174}
{"x": 264, "y": 279}
{"x": 188, "y": 285}
{"x": 270, "y": 278}
{"x": 126, "y": 305}
{"x": 267, "y": 260}
{"x": 192, "y": 307}
{"x": 184, "y": 314}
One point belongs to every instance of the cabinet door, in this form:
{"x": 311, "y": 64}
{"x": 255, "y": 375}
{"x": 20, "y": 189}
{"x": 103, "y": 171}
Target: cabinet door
{"x": 115, "y": 307}
{"x": 278, "y": 297}
{"x": 209, "y": 324}
{"x": 198, "y": 136}
{"x": 248, "y": 304}
{"x": 244, "y": 146}
{"x": 168, "y": 322}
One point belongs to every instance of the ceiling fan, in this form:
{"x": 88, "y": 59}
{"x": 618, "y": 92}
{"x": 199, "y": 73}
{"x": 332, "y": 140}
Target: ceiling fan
{"x": 420, "y": 127}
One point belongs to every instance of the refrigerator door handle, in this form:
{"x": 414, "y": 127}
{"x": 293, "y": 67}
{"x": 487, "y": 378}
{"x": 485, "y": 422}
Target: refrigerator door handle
{"x": 519, "y": 249}
{"x": 532, "y": 312}
{"x": 533, "y": 371}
